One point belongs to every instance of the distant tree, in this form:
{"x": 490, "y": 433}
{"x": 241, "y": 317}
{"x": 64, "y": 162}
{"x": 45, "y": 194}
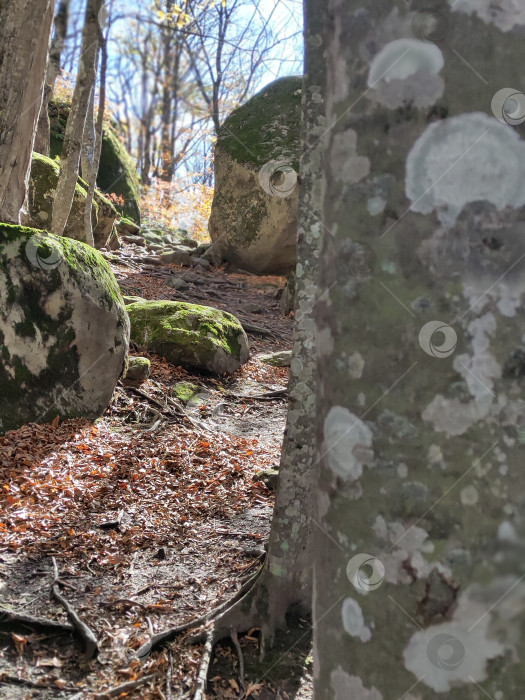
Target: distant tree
{"x": 25, "y": 28}
{"x": 42, "y": 138}
{"x": 74, "y": 134}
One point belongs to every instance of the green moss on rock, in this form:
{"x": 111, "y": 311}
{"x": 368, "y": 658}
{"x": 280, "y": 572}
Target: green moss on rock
{"x": 189, "y": 334}
{"x": 42, "y": 188}
{"x": 64, "y": 332}
{"x": 185, "y": 391}
{"x": 267, "y": 126}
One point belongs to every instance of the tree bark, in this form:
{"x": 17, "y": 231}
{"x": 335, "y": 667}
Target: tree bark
{"x": 419, "y": 573}
{"x": 43, "y": 133}
{"x": 98, "y": 136}
{"x": 25, "y": 29}
{"x": 70, "y": 158}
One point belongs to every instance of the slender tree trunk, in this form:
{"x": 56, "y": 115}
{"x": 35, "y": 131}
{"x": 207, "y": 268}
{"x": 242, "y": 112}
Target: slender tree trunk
{"x": 286, "y": 579}
{"x": 99, "y": 133}
{"x": 43, "y": 136}
{"x": 69, "y": 161}
{"x": 419, "y": 567}
{"x": 25, "y": 28}
{"x": 87, "y": 151}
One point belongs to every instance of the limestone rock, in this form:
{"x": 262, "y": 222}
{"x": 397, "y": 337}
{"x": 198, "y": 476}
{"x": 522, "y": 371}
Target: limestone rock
{"x": 189, "y": 335}
{"x": 255, "y": 206}
{"x": 64, "y": 332}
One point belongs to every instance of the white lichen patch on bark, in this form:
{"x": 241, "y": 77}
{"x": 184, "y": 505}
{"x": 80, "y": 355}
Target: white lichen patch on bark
{"x": 353, "y": 620}
{"x": 504, "y": 14}
{"x": 485, "y": 625}
{"x": 346, "y": 686}
{"x": 347, "y": 442}
{"x": 409, "y": 544}
{"x": 346, "y": 166}
{"x": 457, "y": 161}
{"x": 407, "y": 71}
{"x": 479, "y": 370}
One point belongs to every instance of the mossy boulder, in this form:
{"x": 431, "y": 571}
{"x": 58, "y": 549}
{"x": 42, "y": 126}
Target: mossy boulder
{"x": 116, "y": 173}
{"x": 253, "y": 221}
{"x": 189, "y": 335}
{"x": 42, "y": 188}
{"x": 64, "y": 331}
{"x": 138, "y": 369}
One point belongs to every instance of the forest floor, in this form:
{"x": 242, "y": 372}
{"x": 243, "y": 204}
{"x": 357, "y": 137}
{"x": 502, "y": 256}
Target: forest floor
{"x": 152, "y": 516}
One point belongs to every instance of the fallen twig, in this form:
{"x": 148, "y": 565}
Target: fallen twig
{"x": 267, "y": 396}
{"x": 139, "y": 392}
{"x": 126, "y": 687}
{"x": 90, "y": 641}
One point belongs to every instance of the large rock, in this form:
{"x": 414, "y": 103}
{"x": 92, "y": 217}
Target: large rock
{"x": 42, "y": 187}
{"x": 117, "y": 173}
{"x": 64, "y": 332}
{"x": 254, "y": 213}
{"x": 189, "y": 335}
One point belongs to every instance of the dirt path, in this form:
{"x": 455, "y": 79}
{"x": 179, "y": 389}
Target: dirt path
{"x": 154, "y": 515}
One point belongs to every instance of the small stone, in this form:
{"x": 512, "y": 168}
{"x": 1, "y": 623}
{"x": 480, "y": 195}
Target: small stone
{"x": 128, "y": 226}
{"x": 190, "y": 243}
{"x": 282, "y": 358}
{"x": 132, "y": 299}
{"x": 201, "y": 262}
{"x": 139, "y": 369}
{"x": 269, "y": 477}
{"x": 135, "y": 240}
{"x": 185, "y": 391}
{"x": 177, "y": 256}
{"x": 177, "y": 283}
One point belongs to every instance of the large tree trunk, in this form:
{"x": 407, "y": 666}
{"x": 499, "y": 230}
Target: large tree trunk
{"x": 25, "y": 28}
{"x": 419, "y": 567}
{"x": 43, "y": 132}
{"x": 70, "y": 157}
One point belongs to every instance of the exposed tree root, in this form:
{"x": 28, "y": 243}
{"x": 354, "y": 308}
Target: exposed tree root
{"x": 240, "y": 657}
{"x": 200, "y": 688}
{"x": 88, "y": 638}
{"x": 125, "y": 687}
{"x": 12, "y": 621}
{"x": 158, "y": 640}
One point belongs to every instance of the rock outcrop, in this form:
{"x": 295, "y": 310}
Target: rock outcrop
{"x": 64, "y": 331}
{"x": 253, "y": 221}
{"x": 189, "y": 335}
